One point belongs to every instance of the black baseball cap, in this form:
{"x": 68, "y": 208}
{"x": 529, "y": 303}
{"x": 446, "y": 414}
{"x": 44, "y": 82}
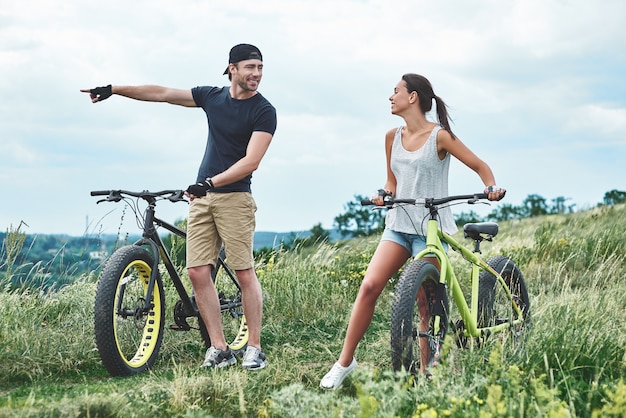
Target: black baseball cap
{"x": 243, "y": 52}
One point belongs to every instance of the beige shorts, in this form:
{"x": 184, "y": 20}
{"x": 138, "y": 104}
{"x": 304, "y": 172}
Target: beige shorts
{"x": 221, "y": 218}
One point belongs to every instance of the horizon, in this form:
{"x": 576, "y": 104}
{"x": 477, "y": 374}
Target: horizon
{"x": 574, "y": 207}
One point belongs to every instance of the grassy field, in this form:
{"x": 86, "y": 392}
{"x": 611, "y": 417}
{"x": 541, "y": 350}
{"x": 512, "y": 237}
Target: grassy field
{"x": 571, "y": 364}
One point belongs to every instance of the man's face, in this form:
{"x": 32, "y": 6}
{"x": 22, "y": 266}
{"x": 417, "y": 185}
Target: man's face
{"x": 248, "y": 74}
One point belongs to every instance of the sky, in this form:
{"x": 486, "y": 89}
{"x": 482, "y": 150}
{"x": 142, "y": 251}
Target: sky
{"x": 536, "y": 88}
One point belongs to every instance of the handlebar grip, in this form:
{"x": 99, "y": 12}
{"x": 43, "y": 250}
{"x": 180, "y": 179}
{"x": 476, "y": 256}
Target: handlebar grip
{"x": 100, "y": 193}
{"x": 485, "y": 195}
{"x": 177, "y": 196}
{"x": 366, "y": 202}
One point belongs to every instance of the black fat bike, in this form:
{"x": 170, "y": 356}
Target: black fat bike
{"x": 129, "y": 308}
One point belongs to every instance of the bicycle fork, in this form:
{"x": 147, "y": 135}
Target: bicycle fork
{"x": 439, "y": 303}
{"x": 439, "y": 310}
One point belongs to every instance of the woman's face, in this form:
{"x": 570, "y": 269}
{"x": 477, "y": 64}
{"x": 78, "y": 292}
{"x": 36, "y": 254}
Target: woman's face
{"x": 401, "y": 99}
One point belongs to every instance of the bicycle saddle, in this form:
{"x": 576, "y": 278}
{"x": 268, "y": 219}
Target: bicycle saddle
{"x": 475, "y": 230}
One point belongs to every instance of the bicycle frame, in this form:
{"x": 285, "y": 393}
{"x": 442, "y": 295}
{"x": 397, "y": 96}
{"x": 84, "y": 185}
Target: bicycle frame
{"x": 151, "y": 238}
{"x": 469, "y": 314}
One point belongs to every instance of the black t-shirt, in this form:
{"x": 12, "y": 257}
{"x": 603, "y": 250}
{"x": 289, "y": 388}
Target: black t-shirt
{"x": 231, "y": 124}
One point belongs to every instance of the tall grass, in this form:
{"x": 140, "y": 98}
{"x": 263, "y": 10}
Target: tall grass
{"x": 571, "y": 363}
{"x": 8, "y": 254}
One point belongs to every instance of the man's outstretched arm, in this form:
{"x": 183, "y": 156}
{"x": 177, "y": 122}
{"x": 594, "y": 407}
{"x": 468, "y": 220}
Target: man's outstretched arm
{"x": 148, "y": 93}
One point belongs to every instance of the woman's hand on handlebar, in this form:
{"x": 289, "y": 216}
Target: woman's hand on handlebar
{"x": 495, "y": 192}
{"x": 379, "y": 199}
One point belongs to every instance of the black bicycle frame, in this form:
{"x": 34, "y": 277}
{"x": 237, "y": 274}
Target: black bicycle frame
{"x": 151, "y": 238}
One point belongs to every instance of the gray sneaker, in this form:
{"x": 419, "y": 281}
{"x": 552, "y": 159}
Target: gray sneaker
{"x": 218, "y": 358}
{"x": 254, "y": 359}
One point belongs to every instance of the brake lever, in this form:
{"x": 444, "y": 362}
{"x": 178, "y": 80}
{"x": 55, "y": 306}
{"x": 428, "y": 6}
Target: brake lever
{"x": 112, "y": 197}
{"x": 177, "y": 197}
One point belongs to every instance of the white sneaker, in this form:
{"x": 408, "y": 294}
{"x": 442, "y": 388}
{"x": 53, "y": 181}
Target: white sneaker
{"x": 254, "y": 359}
{"x": 336, "y": 375}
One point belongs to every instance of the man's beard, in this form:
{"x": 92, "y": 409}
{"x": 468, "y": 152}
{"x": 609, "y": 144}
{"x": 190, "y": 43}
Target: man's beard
{"x": 244, "y": 85}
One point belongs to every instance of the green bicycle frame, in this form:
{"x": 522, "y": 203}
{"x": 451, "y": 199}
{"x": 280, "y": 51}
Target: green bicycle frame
{"x": 469, "y": 314}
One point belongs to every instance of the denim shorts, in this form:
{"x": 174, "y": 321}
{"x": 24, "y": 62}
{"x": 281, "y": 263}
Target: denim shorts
{"x": 412, "y": 242}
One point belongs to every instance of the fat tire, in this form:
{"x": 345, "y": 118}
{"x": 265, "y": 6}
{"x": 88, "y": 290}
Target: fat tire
{"x": 490, "y": 312}
{"x": 405, "y": 315}
{"x": 128, "y": 346}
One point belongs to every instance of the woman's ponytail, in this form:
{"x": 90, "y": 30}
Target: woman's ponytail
{"x": 442, "y": 115}
{"x": 424, "y": 90}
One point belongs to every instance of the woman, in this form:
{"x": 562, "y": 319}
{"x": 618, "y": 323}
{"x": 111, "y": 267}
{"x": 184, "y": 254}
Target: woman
{"x": 418, "y": 160}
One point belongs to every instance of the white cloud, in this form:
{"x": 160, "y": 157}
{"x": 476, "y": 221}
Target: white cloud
{"x": 14, "y": 153}
{"x": 603, "y": 121}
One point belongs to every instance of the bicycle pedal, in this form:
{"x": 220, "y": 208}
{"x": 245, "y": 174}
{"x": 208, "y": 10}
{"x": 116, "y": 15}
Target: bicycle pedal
{"x": 176, "y": 327}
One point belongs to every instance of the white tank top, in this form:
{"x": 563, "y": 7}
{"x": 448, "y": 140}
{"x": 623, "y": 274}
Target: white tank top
{"x": 419, "y": 174}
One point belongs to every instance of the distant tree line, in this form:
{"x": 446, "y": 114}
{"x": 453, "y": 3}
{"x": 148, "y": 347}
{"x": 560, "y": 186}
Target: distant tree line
{"x": 47, "y": 262}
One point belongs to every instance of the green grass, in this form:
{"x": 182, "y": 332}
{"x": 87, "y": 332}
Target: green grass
{"x": 570, "y": 364}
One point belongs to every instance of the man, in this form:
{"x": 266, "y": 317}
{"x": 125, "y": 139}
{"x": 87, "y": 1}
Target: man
{"x": 241, "y": 126}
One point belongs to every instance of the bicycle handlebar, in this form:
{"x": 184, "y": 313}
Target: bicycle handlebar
{"x": 117, "y": 195}
{"x": 430, "y": 202}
